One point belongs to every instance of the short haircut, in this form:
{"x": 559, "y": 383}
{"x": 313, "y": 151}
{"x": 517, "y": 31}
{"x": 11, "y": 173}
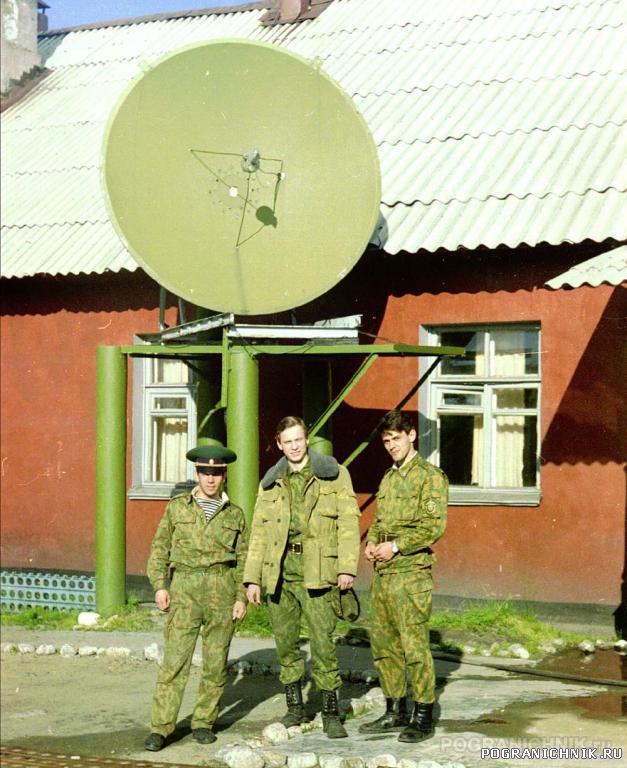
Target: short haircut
{"x": 287, "y": 422}
{"x": 395, "y": 421}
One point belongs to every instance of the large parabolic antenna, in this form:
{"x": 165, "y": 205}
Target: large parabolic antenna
{"x": 241, "y": 177}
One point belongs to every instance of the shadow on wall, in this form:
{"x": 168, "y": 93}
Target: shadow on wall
{"x": 577, "y": 434}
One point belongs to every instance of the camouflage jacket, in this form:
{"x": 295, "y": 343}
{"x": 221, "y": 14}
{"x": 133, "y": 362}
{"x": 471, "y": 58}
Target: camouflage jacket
{"x": 411, "y": 506}
{"x": 184, "y": 540}
{"x": 331, "y": 536}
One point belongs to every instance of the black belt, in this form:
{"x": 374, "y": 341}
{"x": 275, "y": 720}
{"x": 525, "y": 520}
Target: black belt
{"x": 386, "y": 537}
{"x": 296, "y": 547}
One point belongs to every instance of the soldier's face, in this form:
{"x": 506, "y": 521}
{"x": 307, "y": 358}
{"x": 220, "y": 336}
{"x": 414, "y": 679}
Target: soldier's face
{"x": 293, "y": 442}
{"x": 399, "y": 444}
{"x": 210, "y": 481}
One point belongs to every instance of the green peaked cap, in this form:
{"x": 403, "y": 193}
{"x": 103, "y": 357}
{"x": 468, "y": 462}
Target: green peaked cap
{"x": 211, "y": 456}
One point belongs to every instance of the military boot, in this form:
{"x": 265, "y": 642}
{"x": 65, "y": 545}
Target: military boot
{"x": 394, "y": 718}
{"x": 331, "y": 723}
{"x": 421, "y": 724}
{"x": 295, "y": 714}
{"x": 154, "y": 742}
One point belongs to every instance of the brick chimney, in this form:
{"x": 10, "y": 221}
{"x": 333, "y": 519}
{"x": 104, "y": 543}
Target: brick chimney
{"x": 19, "y": 27}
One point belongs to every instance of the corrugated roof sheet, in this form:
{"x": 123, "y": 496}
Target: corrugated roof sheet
{"x": 497, "y": 122}
{"x": 609, "y": 267}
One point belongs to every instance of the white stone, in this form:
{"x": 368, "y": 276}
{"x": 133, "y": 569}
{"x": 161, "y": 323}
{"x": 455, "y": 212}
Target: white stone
{"x": 67, "y": 650}
{"x": 26, "y": 648}
{"x": 151, "y": 652}
{"x": 87, "y": 650}
{"x": 273, "y": 759}
{"x": 8, "y": 648}
{"x": 585, "y": 646}
{"x": 620, "y": 645}
{"x": 429, "y": 764}
{"x": 375, "y": 696}
{"x": 559, "y": 641}
{"x": 88, "y": 619}
{"x": 276, "y": 733}
{"x": 294, "y": 730}
{"x": 547, "y": 648}
{"x": 518, "y": 651}
{"x": 485, "y": 652}
{"x": 453, "y": 765}
{"x": 242, "y": 756}
{"x": 255, "y": 742}
{"x": 45, "y": 650}
{"x": 331, "y": 761}
{"x": 469, "y": 648}
{"x": 382, "y": 761}
{"x": 118, "y": 652}
{"x": 304, "y": 760}
{"x": 406, "y": 762}
{"x": 354, "y": 762}
{"x": 223, "y": 751}
{"x": 603, "y": 645}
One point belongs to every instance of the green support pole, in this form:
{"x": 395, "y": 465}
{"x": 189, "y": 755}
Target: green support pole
{"x": 316, "y": 399}
{"x": 110, "y": 479}
{"x": 242, "y": 428}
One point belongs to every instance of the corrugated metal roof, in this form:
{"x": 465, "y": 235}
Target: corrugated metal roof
{"x": 609, "y": 267}
{"x": 497, "y": 122}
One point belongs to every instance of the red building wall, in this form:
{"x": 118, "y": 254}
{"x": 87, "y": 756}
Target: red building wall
{"x": 570, "y": 548}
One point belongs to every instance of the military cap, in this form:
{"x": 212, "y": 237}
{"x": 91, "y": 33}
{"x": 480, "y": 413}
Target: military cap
{"x": 211, "y": 456}
{"x": 345, "y": 604}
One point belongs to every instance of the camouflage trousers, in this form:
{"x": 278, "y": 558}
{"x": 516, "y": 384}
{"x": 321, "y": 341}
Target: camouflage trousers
{"x": 399, "y": 634}
{"x": 198, "y": 599}
{"x": 290, "y": 602}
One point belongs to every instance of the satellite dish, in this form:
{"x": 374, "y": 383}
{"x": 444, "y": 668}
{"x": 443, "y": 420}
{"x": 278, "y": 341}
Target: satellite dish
{"x": 241, "y": 177}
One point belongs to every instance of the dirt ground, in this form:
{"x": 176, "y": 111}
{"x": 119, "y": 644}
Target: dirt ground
{"x": 100, "y": 707}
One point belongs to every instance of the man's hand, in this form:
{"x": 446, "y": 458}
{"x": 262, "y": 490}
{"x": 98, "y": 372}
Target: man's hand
{"x": 384, "y": 552}
{"x": 162, "y": 599}
{"x": 253, "y": 593}
{"x": 344, "y": 581}
{"x": 239, "y": 610}
{"x": 369, "y": 552}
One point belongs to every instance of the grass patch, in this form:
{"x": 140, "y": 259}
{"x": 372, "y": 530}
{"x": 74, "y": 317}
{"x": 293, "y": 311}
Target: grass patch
{"x": 496, "y": 625}
{"x": 256, "y": 623}
{"x": 40, "y": 618}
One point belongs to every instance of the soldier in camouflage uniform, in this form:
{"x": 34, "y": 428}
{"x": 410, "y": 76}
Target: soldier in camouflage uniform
{"x": 203, "y": 539}
{"x": 410, "y": 517}
{"x": 304, "y": 544}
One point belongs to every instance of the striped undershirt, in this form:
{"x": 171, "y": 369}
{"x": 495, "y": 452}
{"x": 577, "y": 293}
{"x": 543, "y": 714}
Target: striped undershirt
{"x": 210, "y": 507}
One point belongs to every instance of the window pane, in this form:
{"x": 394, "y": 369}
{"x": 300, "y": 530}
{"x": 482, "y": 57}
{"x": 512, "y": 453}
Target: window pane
{"x": 473, "y": 363}
{"x": 461, "y": 449}
{"x": 461, "y": 398}
{"x": 516, "y": 398}
{"x": 516, "y": 443}
{"x": 169, "y": 372}
{"x": 514, "y": 352}
{"x": 169, "y": 403}
{"x": 169, "y": 448}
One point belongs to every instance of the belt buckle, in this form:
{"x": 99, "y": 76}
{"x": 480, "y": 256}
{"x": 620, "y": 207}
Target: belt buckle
{"x": 297, "y": 547}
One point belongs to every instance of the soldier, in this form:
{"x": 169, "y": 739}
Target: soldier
{"x": 304, "y": 545}
{"x": 203, "y": 539}
{"x": 410, "y": 516}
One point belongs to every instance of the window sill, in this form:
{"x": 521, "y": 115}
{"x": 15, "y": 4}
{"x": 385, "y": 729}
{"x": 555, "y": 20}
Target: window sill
{"x": 150, "y": 491}
{"x": 494, "y": 497}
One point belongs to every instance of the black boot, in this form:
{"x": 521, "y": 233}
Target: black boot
{"x": 421, "y": 724}
{"x": 295, "y": 714}
{"x": 331, "y": 723}
{"x": 395, "y": 718}
{"x": 154, "y": 742}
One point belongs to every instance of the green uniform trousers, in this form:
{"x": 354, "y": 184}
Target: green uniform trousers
{"x": 198, "y": 598}
{"x": 291, "y": 601}
{"x": 399, "y": 634}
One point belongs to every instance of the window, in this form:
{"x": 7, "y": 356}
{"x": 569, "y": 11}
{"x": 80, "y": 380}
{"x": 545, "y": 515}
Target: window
{"x": 480, "y": 413}
{"x": 164, "y": 426}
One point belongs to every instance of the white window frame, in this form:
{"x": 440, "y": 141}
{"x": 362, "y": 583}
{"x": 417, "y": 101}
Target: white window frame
{"x": 144, "y": 390}
{"x": 429, "y": 404}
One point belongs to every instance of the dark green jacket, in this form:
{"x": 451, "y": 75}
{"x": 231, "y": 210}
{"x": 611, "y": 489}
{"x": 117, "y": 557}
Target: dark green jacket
{"x": 331, "y": 538}
{"x": 411, "y": 506}
{"x": 185, "y": 540}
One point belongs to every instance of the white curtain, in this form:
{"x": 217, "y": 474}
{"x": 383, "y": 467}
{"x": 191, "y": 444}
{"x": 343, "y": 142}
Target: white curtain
{"x": 169, "y": 448}
{"x": 508, "y": 356}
